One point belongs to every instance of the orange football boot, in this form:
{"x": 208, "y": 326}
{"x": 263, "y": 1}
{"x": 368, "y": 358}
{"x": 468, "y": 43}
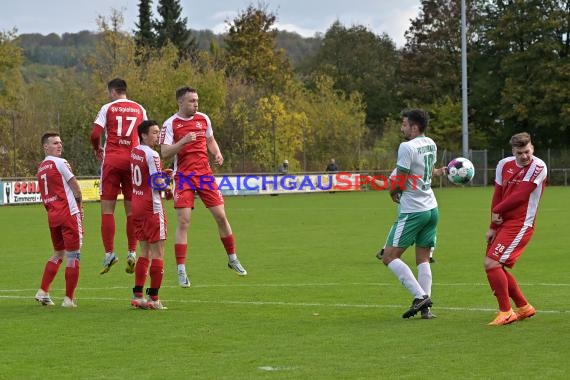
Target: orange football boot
{"x": 525, "y": 312}
{"x": 504, "y": 318}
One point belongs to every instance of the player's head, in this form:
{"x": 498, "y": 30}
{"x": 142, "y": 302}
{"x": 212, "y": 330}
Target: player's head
{"x": 187, "y": 99}
{"x": 52, "y": 144}
{"x": 522, "y": 148}
{"x": 414, "y": 123}
{"x": 117, "y": 87}
{"x": 149, "y": 132}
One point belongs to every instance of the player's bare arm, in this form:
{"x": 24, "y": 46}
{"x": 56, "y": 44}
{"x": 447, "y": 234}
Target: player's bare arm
{"x": 438, "y": 172}
{"x": 168, "y": 151}
{"x": 377, "y": 182}
{"x": 396, "y": 188}
{"x": 215, "y": 150}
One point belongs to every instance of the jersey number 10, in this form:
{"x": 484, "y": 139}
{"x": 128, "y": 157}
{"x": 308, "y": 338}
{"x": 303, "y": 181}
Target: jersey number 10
{"x": 137, "y": 175}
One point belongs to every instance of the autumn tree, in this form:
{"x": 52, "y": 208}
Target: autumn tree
{"x": 277, "y": 133}
{"x": 431, "y": 58}
{"x": 430, "y": 67}
{"x": 530, "y": 43}
{"x": 251, "y": 50}
{"x": 11, "y": 95}
{"x": 336, "y": 121}
{"x": 359, "y": 60}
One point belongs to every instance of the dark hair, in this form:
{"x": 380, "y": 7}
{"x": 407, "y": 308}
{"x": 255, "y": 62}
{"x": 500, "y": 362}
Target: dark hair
{"x": 520, "y": 140}
{"x": 47, "y": 135}
{"x": 183, "y": 90}
{"x": 417, "y": 117}
{"x": 118, "y": 85}
{"x": 144, "y": 127}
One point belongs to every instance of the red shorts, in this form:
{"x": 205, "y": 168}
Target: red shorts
{"x": 206, "y": 188}
{"x": 150, "y": 227}
{"x": 509, "y": 244}
{"x": 67, "y": 234}
{"x": 114, "y": 181}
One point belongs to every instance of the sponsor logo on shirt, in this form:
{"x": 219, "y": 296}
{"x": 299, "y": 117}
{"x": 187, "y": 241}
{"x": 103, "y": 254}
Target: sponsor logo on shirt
{"x": 45, "y": 167}
{"x": 116, "y": 109}
{"x": 51, "y": 199}
{"x": 136, "y": 157}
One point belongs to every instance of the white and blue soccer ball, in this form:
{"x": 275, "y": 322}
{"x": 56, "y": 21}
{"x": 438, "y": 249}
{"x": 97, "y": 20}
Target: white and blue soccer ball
{"x": 460, "y": 171}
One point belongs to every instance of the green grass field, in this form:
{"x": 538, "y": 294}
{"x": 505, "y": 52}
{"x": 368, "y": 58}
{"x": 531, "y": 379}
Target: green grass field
{"x": 316, "y": 304}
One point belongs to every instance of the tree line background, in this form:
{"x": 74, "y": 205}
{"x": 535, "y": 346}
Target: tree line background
{"x": 275, "y": 95}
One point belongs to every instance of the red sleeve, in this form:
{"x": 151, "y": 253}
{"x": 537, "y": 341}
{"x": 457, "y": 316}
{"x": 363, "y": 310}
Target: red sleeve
{"x": 518, "y": 197}
{"x": 96, "y": 133}
{"x": 497, "y": 195}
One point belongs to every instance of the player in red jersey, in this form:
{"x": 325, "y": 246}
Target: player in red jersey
{"x": 188, "y": 136}
{"x": 118, "y": 119}
{"x": 148, "y": 180}
{"x": 61, "y": 197}
{"x": 519, "y": 184}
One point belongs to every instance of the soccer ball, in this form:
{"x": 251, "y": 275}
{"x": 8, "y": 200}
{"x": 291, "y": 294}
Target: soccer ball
{"x": 460, "y": 170}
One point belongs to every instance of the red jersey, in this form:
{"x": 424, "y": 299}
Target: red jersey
{"x": 120, "y": 119}
{"x": 53, "y": 175}
{"x": 144, "y": 163}
{"x": 511, "y": 177}
{"x": 193, "y": 157}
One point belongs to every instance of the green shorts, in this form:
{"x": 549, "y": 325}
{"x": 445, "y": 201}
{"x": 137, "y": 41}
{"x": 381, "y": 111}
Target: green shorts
{"x": 418, "y": 228}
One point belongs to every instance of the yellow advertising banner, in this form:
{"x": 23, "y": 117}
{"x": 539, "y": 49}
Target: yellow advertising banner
{"x": 90, "y": 189}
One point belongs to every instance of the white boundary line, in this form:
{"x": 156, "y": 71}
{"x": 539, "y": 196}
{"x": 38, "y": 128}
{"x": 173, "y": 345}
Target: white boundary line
{"x": 282, "y": 303}
{"x": 332, "y": 284}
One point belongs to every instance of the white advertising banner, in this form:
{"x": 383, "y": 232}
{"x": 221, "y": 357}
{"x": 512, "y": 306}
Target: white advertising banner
{"x": 20, "y": 192}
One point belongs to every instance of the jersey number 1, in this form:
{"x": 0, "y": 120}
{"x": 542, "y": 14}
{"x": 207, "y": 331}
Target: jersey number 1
{"x": 131, "y": 119}
{"x": 429, "y": 163}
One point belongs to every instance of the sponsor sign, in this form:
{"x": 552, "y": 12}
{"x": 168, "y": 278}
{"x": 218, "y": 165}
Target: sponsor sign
{"x": 21, "y": 192}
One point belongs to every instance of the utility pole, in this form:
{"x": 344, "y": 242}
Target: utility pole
{"x": 465, "y": 126}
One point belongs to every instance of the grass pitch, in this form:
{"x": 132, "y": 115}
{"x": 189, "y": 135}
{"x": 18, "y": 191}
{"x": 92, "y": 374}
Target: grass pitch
{"x": 316, "y": 304}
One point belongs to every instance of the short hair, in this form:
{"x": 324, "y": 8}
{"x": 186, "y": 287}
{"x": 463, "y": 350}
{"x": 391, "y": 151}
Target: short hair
{"x": 520, "y": 140}
{"x": 144, "y": 127}
{"x": 183, "y": 90}
{"x": 117, "y": 84}
{"x": 47, "y": 135}
{"x": 418, "y": 117}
